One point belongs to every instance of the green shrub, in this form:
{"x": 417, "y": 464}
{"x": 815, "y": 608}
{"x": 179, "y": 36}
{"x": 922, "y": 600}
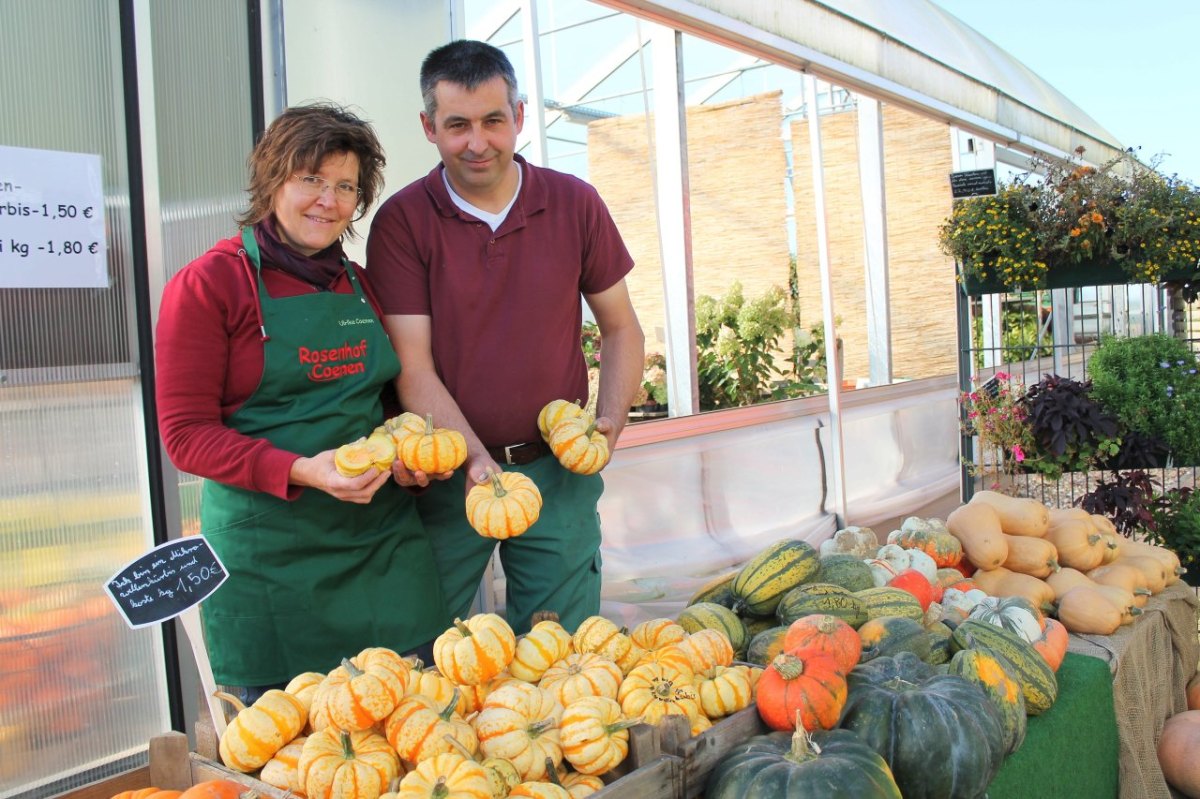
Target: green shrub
{"x": 1177, "y": 527}
{"x": 1151, "y": 384}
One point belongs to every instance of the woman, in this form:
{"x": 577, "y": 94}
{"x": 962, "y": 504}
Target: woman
{"x": 270, "y": 354}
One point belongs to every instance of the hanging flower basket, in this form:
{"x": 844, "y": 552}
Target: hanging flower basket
{"x": 1122, "y": 223}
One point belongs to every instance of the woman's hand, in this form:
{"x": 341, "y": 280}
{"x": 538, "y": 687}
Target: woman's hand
{"x": 320, "y": 473}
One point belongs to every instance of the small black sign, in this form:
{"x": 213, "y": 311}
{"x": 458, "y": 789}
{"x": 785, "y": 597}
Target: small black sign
{"x": 166, "y": 581}
{"x": 973, "y": 183}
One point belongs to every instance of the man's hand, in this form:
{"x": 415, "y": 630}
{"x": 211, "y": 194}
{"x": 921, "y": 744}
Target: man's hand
{"x": 479, "y": 470}
{"x": 414, "y": 477}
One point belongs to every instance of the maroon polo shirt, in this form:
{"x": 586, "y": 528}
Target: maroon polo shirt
{"x": 505, "y": 307}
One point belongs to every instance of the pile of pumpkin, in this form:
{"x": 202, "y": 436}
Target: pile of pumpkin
{"x": 546, "y": 715}
{"x": 893, "y": 641}
{"x": 509, "y": 503}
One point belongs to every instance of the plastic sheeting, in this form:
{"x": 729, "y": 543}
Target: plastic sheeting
{"x": 677, "y": 513}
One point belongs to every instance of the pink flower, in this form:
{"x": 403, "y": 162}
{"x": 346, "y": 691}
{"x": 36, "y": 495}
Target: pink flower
{"x": 972, "y": 414}
{"x": 1002, "y": 375}
{"x": 1018, "y": 453}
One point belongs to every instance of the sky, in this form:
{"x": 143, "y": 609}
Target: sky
{"x": 1132, "y": 65}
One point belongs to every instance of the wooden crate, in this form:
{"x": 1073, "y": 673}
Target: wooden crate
{"x": 699, "y": 754}
{"x": 173, "y": 766}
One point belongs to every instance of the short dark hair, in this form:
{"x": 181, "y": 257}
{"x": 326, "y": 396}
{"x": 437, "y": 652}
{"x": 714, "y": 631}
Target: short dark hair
{"x": 468, "y": 63}
{"x": 300, "y": 139}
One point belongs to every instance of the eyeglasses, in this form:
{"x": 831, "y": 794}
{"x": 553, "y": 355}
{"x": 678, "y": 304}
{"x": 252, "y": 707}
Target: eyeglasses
{"x": 315, "y": 185}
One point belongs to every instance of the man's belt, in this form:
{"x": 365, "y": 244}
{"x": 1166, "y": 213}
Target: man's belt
{"x": 519, "y": 454}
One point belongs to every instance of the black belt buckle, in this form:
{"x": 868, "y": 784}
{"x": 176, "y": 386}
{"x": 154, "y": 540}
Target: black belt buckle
{"x": 519, "y": 454}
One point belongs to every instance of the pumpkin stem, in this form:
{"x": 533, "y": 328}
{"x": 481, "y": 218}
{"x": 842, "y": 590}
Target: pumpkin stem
{"x": 1142, "y": 592}
{"x": 552, "y": 773}
{"x": 538, "y": 727}
{"x": 351, "y": 669}
{"x": 238, "y": 705}
{"x": 449, "y": 709}
{"x": 497, "y": 487}
{"x": 1135, "y": 611}
{"x": 457, "y": 744}
{"x": 440, "y": 789}
{"x": 827, "y": 624}
{"x": 429, "y": 424}
{"x": 789, "y": 666}
{"x": 803, "y": 749}
{"x": 543, "y": 615}
{"x": 347, "y": 747}
{"x": 462, "y": 628}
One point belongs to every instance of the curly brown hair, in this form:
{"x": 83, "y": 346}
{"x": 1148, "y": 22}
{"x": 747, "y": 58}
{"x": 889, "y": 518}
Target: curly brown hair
{"x": 299, "y": 140}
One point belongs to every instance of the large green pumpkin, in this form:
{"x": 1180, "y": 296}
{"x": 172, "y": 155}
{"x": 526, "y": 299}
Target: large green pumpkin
{"x": 940, "y": 734}
{"x": 831, "y": 764}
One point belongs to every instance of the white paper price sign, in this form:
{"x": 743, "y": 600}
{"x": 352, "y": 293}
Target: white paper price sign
{"x": 51, "y": 220}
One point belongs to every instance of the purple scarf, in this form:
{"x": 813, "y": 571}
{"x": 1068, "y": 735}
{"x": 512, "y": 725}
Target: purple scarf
{"x": 319, "y": 270}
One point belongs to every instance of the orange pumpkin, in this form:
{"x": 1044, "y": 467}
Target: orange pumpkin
{"x": 447, "y": 775}
{"x": 434, "y": 451}
{"x": 595, "y": 734}
{"x": 215, "y": 789}
{"x": 1177, "y": 747}
{"x": 556, "y": 411}
{"x": 475, "y": 651}
{"x": 806, "y": 690}
{"x": 519, "y": 723}
{"x": 505, "y": 506}
{"x": 579, "y": 446}
{"x": 602, "y": 636}
{"x": 148, "y": 793}
{"x": 823, "y": 634}
{"x": 336, "y": 763}
{"x": 1053, "y": 643}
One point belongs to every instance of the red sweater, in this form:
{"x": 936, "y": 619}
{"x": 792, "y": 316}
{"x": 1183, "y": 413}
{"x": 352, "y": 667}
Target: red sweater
{"x": 209, "y": 360}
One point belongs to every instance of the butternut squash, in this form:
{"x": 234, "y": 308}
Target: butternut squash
{"x": 1005, "y": 582}
{"x": 1030, "y": 555}
{"x": 1156, "y": 573}
{"x": 977, "y": 527}
{"x": 1018, "y": 515}
{"x": 1067, "y": 578}
{"x": 1112, "y": 546}
{"x": 1123, "y": 575}
{"x": 1086, "y": 610}
{"x": 1079, "y": 545}
{"x": 1168, "y": 557}
{"x": 1059, "y": 515}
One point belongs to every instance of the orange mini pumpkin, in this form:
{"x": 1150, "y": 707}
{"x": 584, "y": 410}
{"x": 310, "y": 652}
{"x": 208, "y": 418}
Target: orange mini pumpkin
{"x": 556, "y": 411}
{"x": 504, "y": 507}
{"x": 475, "y": 651}
{"x": 434, "y": 451}
{"x": 579, "y": 446}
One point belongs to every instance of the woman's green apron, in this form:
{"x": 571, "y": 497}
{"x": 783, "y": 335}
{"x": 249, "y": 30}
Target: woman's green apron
{"x": 316, "y": 579}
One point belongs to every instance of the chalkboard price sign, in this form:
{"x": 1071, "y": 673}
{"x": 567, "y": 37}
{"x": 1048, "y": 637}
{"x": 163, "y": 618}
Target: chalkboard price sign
{"x": 166, "y": 581}
{"x": 972, "y": 183}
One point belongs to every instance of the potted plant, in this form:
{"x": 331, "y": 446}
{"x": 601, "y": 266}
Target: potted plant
{"x": 1177, "y": 526}
{"x": 1152, "y": 385}
{"x": 1077, "y": 225}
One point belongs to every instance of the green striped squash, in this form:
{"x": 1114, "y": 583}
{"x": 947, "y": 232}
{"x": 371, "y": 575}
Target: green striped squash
{"x": 821, "y": 598}
{"x": 891, "y": 635}
{"x": 711, "y": 616}
{"x": 1023, "y": 663}
{"x": 888, "y": 601}
{"x": 718, "y": 590}
{"x": 773, "y": 572}
{"x": 848, "y": 571}
{"x": 763, "y": 647}
{"x": 989, "y": 673}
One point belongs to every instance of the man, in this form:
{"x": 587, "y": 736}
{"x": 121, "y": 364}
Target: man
{"x": 479, "y": 267}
